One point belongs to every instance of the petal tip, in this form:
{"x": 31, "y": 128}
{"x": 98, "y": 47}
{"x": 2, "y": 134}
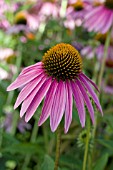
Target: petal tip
{"x": 53, "y": 128}
{"x": 21, "y": 116}
{"x": 39, "y": 123}
{"x": 15, "y": 106}
{"x": 8, "y": 88}
{"x": 26, "y": 119}
{"x": 83, "y": 124}
{"x": 65, "y": 131}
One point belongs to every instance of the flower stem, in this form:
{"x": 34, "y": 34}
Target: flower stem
{"x": 104, "y": 59}
{"x": 18, "y": 64}
{"x": 57, "y": 148}
{"x": 32, "y": 140}
{"x": 102, "y": 68}
{"x": 11, "y": 94}
{"x": 63, "y": 8}
{"x": 87, "y": 144}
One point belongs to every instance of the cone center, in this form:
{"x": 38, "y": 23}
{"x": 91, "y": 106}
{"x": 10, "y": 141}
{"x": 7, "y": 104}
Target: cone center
{"x": 62, "y": 62}
{"x": 78, "y": 5}
{"x": 109, "y": 4}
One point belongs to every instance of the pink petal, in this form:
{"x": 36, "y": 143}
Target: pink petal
{"x": 99, "y": 21}
{"x": 93, "y": 12}
{"x": 46, "y": 110}
{"x": 27, "y": 90}
{"x": 92, "y": 93}
{"x": 37, "y": 99}
{"x": 32, "y": 67}
{"x": 79, "y": 102}
{"x": 100, "y": 26}
{"x": 30, "y": 98}
{"x": 108, "y": 23}
{"x": 87, "y": 78}
{"x": 24, "y": 79}
{"x": 90, "y": 22}
{"x": 58, "y": 106}
{"x": 87, "y": 100}
{"x": 68, "y": 109}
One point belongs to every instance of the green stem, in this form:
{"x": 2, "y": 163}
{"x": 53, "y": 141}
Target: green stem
{"x": 107, "y": 42}
{"x": 87, "y": 144}
{"x": 32, "y": 140}
{"x": 1, "y": 137}
{"x": 46, "y": 141}
{"x": 63, "y": 8}
{"x": 11, "y": 94}
{"x": 102, "y": 72}
{"x": 14, "y": 123}
{"x": 104, "y": 59}
{"x": 57, "y": 149}
{"x": 18, "y": 64}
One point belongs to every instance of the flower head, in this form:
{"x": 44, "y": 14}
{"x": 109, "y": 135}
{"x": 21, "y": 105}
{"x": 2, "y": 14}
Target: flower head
{"x": 100, "y": 18}
{"x": 57, "y": 78}
{"x": 108, "y": 84}
{"x": 98, "y": 51}
{"x": 21, "y": 126}
{"x": 75, "y": 13}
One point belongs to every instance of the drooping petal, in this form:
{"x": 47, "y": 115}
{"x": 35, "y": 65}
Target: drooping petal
{"x": 30, "y": 98}
{"x": 103, "y": 22}
{"x": 37, "y": 99}
{"x": 24, "y": 79}
{"x": 58, "y": 106}
{"x": 108, "y": 24}
{"x": 87, "y": 100}
{"x": 87, "y": 78}
{"x": 94, "y": 11}
{"x": 79, "y": 102}
{"x": 91, "y": 92}
{"x": 32, "y": 67}
{"x": 46, "y": 110}
{"x": 90, "y": 23}
{"x": 68, "y": 107}
{"x": 98, "y": 21}
{"x": 27, "y": 90}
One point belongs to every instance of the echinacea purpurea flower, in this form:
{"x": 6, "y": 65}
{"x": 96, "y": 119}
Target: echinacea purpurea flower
{"x": 100, "y": 18}
{"x": 58, "y": 78}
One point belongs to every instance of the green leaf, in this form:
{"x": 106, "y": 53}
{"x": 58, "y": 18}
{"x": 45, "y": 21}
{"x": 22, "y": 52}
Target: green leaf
{"x": 101, "y": 162}
{"x": 23, "y": 148}
{"x": 2, "y": 163}
{"x": 48, "y": 163}
{"x": 107, "y": 143}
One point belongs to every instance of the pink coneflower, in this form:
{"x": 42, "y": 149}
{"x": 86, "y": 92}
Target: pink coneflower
{"x": 4, "y": 24}
{"x": 98, "y": 51}
{"x": 21, "y": 125}
{"x": 107, "y": 85}
{"x": 28, "y": 19}
{"x": 100, "y": 18}
{"x": 57, "y": 77}
{"x": 75, "y": 12}
{"x": 50, "y": 9}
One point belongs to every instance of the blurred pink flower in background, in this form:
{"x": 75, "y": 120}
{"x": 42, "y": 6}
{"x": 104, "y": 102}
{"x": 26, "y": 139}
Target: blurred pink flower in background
{"x": 75, "y": 13}
{"x": 107, "y": 85}
{"x": 57, "y": 78}
{"x": 37, "y": 14}
{"x": 22, "y": 126}
{"x": 29, "y": 19}
{"x": 98, "y": 51}
{"x": 49, "y": 9}
{"x": 6, "y": 53}
{"x": 4, "y": 24}
{"x": 100, "y": 18}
